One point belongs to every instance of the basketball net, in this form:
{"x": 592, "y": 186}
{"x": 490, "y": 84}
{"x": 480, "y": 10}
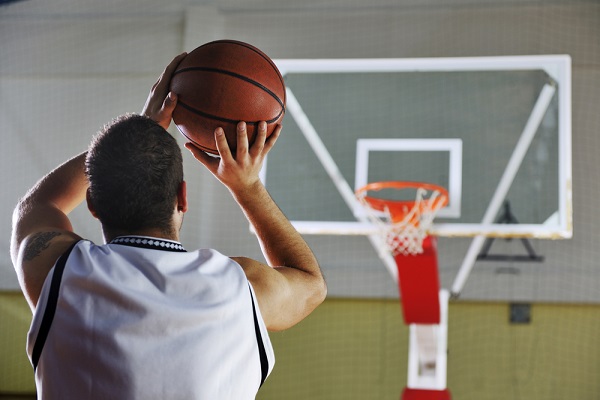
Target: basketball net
{"x": 403, "y": 225}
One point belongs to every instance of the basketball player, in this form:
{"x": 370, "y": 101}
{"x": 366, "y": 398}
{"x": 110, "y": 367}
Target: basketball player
{"x": 140, "y": 317}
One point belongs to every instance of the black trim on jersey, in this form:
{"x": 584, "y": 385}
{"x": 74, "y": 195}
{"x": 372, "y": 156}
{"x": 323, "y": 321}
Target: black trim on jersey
{"x": 50, "y": 310}
{"x": 148, "y": 243}
{"x": 264, "y": 361}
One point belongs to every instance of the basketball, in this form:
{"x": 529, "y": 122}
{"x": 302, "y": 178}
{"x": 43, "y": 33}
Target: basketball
{"x": 221, "y": 83}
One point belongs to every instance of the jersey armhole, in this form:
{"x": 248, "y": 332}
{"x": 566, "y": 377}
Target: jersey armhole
{"x": 50, "y": 308}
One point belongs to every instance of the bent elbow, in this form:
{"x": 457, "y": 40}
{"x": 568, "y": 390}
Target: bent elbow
{"x": 323, "y": 291}
{"x": 319, "y": 292}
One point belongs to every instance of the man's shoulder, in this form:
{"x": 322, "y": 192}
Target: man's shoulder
{"x": 38, "y": 253}
{"x": 43, "y": 244}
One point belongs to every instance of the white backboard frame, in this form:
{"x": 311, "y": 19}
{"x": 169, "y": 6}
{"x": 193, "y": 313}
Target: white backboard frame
{"x": 558, "y": 68}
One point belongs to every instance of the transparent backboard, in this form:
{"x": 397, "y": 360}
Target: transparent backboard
{"x": 494, "y": 131}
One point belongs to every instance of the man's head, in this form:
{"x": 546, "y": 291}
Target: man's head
{"x": 135, "y": 171}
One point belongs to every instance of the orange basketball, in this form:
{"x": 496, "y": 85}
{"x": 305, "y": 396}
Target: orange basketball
{"x": 221, "y": 83}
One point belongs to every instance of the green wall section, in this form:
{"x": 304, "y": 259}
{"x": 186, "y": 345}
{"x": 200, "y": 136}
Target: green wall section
{"x": 16, "y": 373}
{"x": 346, "y": 349}
{"x": 556, "y": 356}
{"x": 357, "y": 349}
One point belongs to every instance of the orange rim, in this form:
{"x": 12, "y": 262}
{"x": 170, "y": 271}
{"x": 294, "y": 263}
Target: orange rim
{"x": 398, "y": 209}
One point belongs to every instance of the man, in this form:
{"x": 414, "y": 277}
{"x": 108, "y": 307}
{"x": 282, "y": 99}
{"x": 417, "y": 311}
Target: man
{"x": 139, "y": 317}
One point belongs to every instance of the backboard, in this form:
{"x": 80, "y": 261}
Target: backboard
{"x": 494, "y": 131}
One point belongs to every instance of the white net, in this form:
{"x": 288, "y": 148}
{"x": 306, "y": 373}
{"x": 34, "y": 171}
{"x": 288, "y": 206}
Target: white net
{"x": 404, "y": 225}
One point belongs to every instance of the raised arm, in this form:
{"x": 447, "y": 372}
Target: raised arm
{"x": 292, "y": 285}
{"x": 41, "y": 230}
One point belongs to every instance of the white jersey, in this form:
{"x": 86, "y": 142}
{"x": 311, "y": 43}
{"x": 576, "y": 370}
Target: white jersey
{"x": 141, "y": 318}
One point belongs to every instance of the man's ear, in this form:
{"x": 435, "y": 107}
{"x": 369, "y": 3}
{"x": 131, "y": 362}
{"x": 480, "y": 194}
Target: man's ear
{"x": 90, "y": 206}
{"x": 182, "y": 204}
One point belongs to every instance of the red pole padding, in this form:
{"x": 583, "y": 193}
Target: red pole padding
{"x": 419, "y": 284}
{"x": 423, "y": 394}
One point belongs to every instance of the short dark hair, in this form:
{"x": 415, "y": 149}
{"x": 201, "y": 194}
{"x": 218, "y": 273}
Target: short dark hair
{"x": 134, "y": 168}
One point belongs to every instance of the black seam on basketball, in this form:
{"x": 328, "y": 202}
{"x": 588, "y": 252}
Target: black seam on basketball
{"x": 217, "y": 118}
{"x": 203, "y": 148}
{"x": 254, "y": 49}
{"x": 242, "y": 77}
{"x": 264, "y": 56}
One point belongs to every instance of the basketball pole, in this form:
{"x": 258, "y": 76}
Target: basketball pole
{"x": 317, "y": 145}
{"x": 422, "y": 337}
{"x": 529, "y": 131}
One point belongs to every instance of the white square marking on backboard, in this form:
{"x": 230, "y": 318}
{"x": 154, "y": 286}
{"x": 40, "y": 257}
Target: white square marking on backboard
{"x": 452, "y": 146}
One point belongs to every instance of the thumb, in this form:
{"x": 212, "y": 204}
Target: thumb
{"x": 169, "y": 104}
{"x": 164, "y": 115}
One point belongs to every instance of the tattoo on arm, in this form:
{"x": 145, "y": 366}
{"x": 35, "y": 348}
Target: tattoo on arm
{"x": 39, "y": 242}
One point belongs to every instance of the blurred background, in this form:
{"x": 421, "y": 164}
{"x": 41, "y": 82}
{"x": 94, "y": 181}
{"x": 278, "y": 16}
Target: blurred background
{"x": 69, "y": 66}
